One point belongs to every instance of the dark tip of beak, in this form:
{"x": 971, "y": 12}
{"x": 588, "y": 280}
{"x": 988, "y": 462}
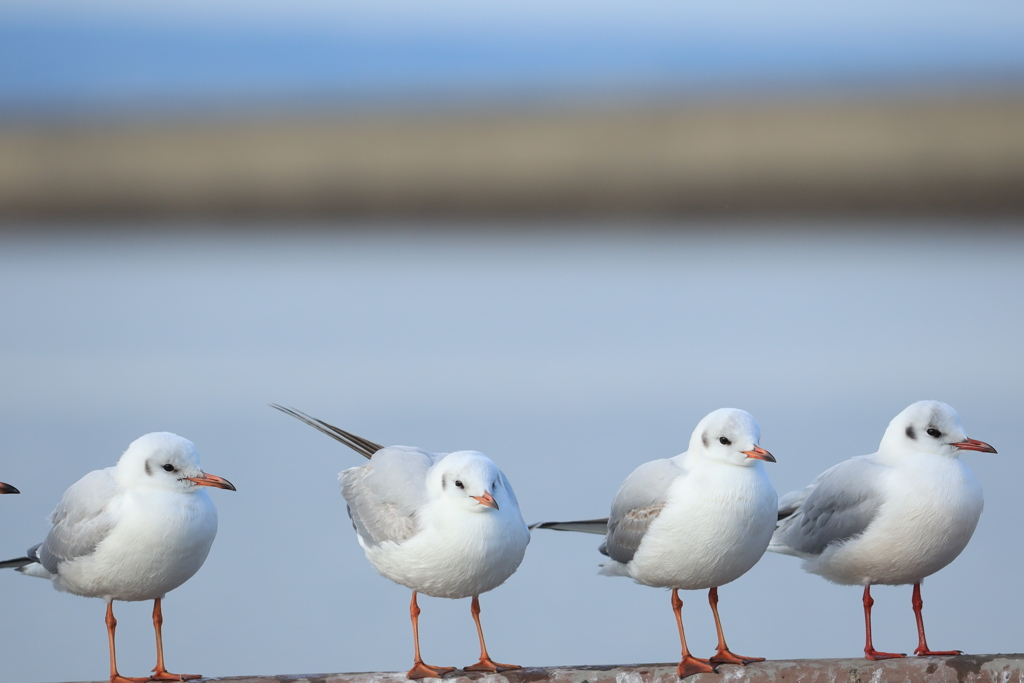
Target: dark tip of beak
{"x": 488, "y": 500}
{"x": 7, "y": 488}
{"x": 206, "y": 479}
{"x": 974, "y": 445}
{"x": 759, "y": 453}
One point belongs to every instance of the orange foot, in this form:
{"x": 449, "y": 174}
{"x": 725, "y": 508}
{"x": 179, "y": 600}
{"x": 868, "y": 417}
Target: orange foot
{"x": 489, "y": 665}
{"x": 421, "y": 670}
{"x": 692, "y": 665}
{"x": 875, "y": 654}
{"x": 726, "y": 657}
{"x": 921, "y": 652}
{"x": 118, "y": 678}
{"x": 168, "y": 676}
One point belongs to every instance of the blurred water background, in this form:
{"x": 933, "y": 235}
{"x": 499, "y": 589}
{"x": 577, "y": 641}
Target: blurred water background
{"x": 559, "y": 235}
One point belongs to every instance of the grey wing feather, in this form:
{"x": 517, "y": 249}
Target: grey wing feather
{"x": 81, "y": 521}
{"x": 639, "y": 501}
{"x": 385, "y": 495}
{"x": 363, "y": 447}
{"x": 837, "y": 506}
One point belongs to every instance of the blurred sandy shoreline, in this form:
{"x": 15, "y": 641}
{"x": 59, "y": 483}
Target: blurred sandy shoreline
{"x": 913, "y": 157}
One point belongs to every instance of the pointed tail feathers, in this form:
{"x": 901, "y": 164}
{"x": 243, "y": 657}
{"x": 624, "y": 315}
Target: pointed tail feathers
{"x": 586, "y": 526}
{"x": 363, "y": 447}
{"x": 28, "y": 565}
{"x": 16, "y": 563}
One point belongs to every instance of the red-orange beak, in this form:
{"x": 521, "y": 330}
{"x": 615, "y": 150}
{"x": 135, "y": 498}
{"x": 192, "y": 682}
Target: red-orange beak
{"x": 7, "y": 488}
{"x": 759, "y": 453}
{"x": 974, "y": 445}
{"x": 487, "y": 499}
{"x": 205, "y": 479}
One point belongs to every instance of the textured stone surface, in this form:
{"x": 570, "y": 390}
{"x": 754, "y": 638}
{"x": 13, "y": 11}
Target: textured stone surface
{"x": 1001, "y": 668}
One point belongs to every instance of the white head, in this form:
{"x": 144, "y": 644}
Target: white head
{"x": 469, "y": 480}
{"x": 729, "y": 435}
{"x": 166, "y": 461}
{"x": 930, "y": 427}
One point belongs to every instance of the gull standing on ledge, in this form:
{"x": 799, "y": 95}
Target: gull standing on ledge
{"x": 131, "y": 532}
{"x": 447, "y": 525}
{"x": 892, "y": 517}
{"x": 698, "y": 520}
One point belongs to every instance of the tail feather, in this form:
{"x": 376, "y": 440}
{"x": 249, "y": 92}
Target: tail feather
{"x": 16, "y": 563}
{"x": 586, "y": 526}
{"x": 363, "y": 447}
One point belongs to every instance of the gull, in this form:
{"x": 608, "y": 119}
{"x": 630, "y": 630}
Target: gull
{"x": 131, "y": 532}
{"x": 892, "y": 517}
{"x": 7, "y": 488}
{"x": 694, "y": 521}
{"x": 447, "y": 525}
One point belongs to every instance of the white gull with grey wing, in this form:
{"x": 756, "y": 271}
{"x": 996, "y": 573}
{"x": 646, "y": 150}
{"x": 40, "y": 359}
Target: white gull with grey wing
{"x": 423, "y": 522}
{"x": 698, "y": 520}
{"x": 135, "y": 531}
{"x": 444, "y": 524}
{"x": 892, "y": 517}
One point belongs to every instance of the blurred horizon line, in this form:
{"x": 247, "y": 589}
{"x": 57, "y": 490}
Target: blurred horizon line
{"x": 910, "y": 156}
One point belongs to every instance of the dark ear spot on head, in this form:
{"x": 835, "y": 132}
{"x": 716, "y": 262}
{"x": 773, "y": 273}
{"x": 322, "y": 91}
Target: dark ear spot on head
{"x": 910, "y": 432}
{"x": 149, "y": 470}
{"x": 444, "y": 483}
{"x": 704, "y": 439}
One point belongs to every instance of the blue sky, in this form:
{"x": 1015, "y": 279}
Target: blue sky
{"x": 58, "y": 56}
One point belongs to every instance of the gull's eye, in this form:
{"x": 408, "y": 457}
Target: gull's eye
{"x": 934, "y": 433}
{"x": 724, "y": 441}
{"x": 459, "y": 484}
{"x": 168, "y": 467}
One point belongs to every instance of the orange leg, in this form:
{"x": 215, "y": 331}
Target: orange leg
{"x": 689, "y": 665}
{"x": 869, "y": 649}
{"x": 159, "y": 672}
{"x": 723, "y": 656}
{"x": 419, "y": 669}
{"x": 485, "y": 663}
{"x": 111, "y": 627}
{"x": 922, "y": 645}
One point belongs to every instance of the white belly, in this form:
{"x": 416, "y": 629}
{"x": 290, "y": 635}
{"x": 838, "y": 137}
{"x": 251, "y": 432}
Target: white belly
{"x": 716, "y": 526}
{"x": 160, "y": 543}
{"x": 458, "y": 560}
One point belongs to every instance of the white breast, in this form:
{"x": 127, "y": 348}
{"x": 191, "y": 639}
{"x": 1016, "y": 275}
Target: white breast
{"x": 715, "y": 526}
{"x": 458, "y": 553}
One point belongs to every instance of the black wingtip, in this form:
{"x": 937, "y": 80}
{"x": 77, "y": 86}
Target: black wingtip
{"x": 363, "y": 447}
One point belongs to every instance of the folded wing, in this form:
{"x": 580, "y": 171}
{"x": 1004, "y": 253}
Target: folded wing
{"x": 638, "y": 503}
{"x": 837, "y": 506}
{"x": 81, "y": 521}
{"x": 384, "y": 496}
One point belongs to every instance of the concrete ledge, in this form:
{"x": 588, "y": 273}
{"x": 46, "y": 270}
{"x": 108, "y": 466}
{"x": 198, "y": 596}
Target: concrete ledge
{"x": 1007, "y": 668}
